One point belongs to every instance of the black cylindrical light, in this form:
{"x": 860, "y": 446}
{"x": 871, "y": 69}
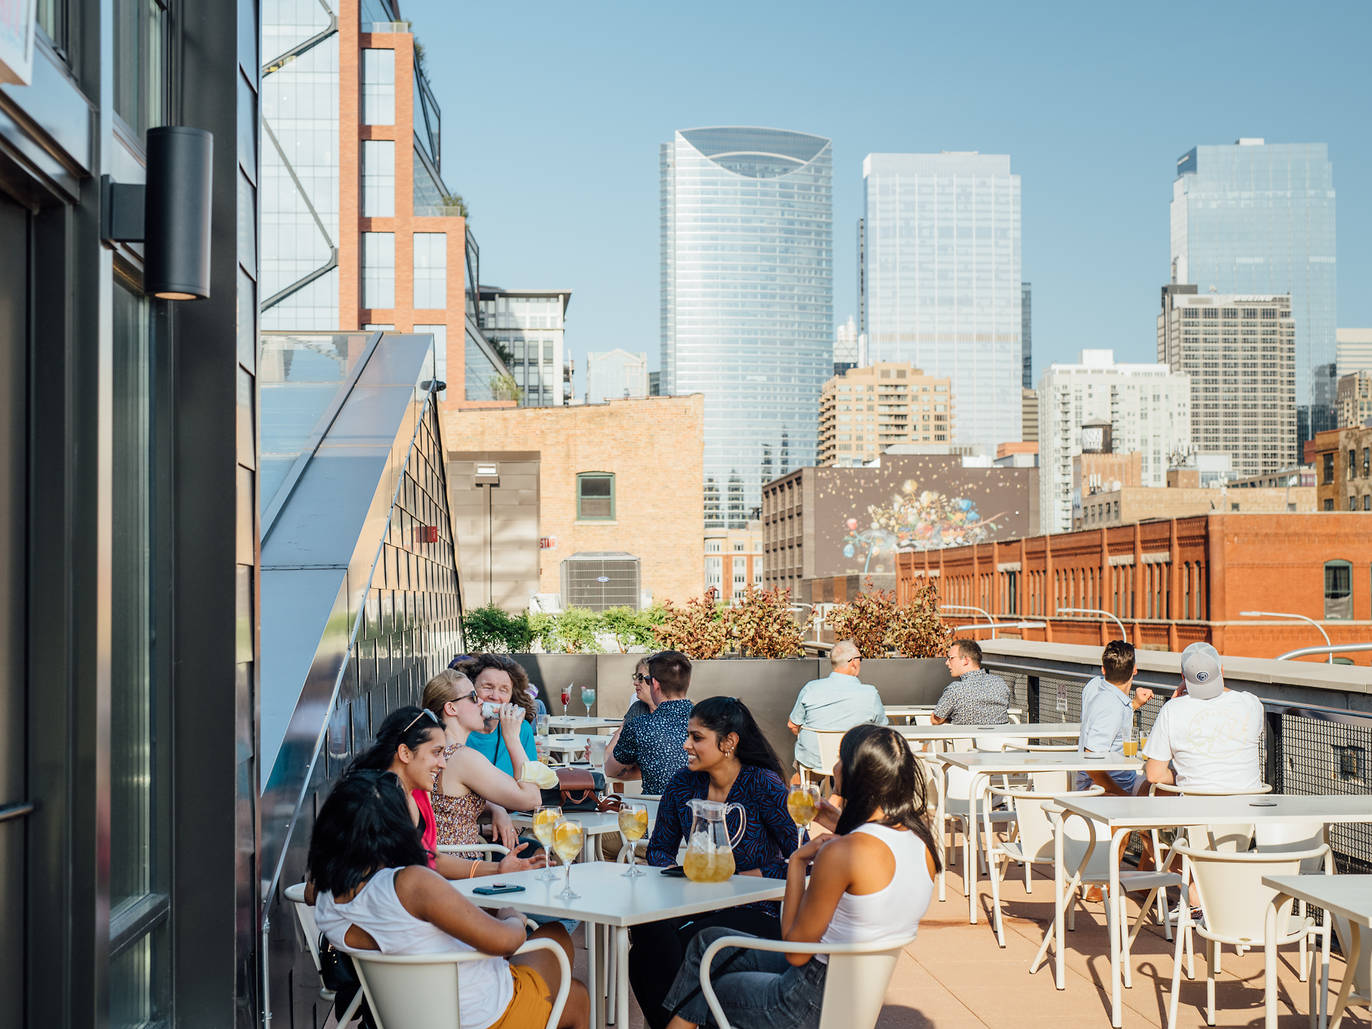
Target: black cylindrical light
{"x": 176, "y": 256}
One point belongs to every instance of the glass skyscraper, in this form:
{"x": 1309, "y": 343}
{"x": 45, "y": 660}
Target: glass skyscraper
{"x": 940, "y": 280}
{"x": 747, "y": 300}
{"x": 1258, "y": 217}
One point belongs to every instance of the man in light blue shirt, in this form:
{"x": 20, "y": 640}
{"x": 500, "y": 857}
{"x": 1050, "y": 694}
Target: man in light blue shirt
{"x": 1107, "y": 712}
{"x": 838, "y": 702}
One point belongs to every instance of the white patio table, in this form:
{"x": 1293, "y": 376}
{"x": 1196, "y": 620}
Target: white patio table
{"x": 1123, "y": 815}
{"x": 569, "y": 745}
{"x": 581, "y": 723}
{"x": 983, "y": 764}
{"x": 948, "y": 732}
{"x": 609, "y": 899}
{"x": 1347, "y": 896}
{"x": 593, "y": 823}
{"x": 909, "y": 711}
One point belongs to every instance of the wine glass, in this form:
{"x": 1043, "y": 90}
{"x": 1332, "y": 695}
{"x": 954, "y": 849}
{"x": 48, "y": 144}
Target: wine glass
{"x": 802, "y": 802}
{"x": 633, "y": 826}
{"x": 566, "y": 698}
{"x": 587, "y": 698}
{"x": 568, "y": 837}
{"x": 545, "y": 821}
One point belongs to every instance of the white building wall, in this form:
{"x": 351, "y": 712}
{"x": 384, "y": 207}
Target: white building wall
{"x": 614, "y": 375}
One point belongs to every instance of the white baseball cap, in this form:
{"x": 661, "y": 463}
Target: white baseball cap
{"x": 1200, "y": 667}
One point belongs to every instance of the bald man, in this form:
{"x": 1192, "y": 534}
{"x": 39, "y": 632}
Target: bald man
{"x": 837, "y": 702}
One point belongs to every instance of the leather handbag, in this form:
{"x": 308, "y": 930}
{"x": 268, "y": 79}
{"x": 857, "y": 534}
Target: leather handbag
{"x": 580, "y": 789}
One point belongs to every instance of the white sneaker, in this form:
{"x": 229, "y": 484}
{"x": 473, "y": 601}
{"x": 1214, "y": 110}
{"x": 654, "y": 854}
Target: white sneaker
{"x": 1174, "y": 916}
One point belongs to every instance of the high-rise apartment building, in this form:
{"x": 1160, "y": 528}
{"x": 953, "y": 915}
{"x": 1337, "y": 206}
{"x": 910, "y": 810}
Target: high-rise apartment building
{"x": 1258, "y": 218}
{"x": 529, "y": 325}
{"x": 850, "y": 347}
{"x": 1355, "y": 399}
{"x": 358, "y": 226}
{"x": 940, "y": 281}
{"x": 615, "y": 375}
{"x": 747, "y": 300}
{"x": 1026, "y": 332}
{"x": 1353, "y": 351}
{"x": 866, "y": 410}
{"x": 1098, "y": 405}
{"x": 1240, "y": 352}
{"x": 1029, "y": 420}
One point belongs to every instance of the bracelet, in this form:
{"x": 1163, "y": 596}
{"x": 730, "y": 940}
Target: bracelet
{"x": 472, "y": 873}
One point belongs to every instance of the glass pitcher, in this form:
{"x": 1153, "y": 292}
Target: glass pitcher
{"x": 710, "y": 848}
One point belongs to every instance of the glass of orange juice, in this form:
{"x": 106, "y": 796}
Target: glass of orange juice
{"x": 545, "y": 818}
{"x": 568, "y": 836}
{"x": 633, "y": 826}
{"x": 803, "y": 804}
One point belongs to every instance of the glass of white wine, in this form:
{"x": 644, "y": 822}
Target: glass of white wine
{"x": 568, "y": 837}
{"x": 803, "y": 804}
{"x": 545, "y": 820}
{"x": 1131, "y": 740}
{"x": 633, "y": 826}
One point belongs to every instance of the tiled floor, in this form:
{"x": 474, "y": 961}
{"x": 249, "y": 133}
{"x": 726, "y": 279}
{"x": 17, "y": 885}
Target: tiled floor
{"x": 955, "y": 975}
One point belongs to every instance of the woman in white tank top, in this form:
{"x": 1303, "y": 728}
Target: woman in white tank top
{"x": 871, "y": 880}
{"x": 374, "y": 891}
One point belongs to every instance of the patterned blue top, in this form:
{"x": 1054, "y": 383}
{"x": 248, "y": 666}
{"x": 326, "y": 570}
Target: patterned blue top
{"x": 653, "y": 742}
{"x": 978, "y": 698}
{"x": 769, "y": 837}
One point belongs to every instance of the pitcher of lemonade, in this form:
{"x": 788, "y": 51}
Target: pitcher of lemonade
{"x": 710, "y": 848}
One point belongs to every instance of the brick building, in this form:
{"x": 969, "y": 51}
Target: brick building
{"x": 1343, "y": 469}
{"x": 1129, "y": 504}
{"x": 536, "y": 487}
{"x": 1172, "y": 582}
{"x": 733, "y": 560}
{"x": 1354, "y": 398}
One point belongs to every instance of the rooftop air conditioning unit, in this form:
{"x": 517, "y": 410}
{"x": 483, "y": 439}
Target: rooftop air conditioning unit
{"x": 601, "y": 579}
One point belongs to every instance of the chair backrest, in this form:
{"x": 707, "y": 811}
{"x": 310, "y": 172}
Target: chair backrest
{"x": 407, "y": 990}
{"x": 305, "y": 916}
{"x": 828, "y": 740}
{"x": 1232, "y": 893}
{"x": 1234, "y": 837}
{"x": 1033, "y": 826}
{"x": 1288, "y": 838}
{"x": 855, "y": 987}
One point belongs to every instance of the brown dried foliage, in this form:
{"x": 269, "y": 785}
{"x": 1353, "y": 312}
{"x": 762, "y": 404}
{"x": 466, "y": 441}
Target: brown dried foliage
{"x": 761, "y": 625}
{"x": 878, "y": 625}
{"x": 698, "y": 629}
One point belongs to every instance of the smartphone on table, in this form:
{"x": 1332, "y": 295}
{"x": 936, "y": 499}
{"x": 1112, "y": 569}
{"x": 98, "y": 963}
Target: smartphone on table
{"x": 496, "y": 889}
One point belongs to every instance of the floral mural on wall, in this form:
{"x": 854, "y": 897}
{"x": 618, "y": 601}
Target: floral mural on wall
{"x": 915, "y": 519}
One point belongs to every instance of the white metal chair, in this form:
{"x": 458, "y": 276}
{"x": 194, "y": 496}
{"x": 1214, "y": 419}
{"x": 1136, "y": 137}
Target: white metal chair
{"x": 1030, "y": 839}
{"x": 1289, "y": 838}
{"x": 957, "y": 808}
{"x": 408, "y": 990}
{"x": 827, "y": 740}
{"x": 304, "y": 915}
{"x": 854, "y": 986}
{"x": 1234, "y": 903}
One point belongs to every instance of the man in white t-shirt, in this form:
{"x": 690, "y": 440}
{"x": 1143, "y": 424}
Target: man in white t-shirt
{"x": 1208, "y": 732}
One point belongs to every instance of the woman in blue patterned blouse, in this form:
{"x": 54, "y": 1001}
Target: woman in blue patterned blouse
{"x": 727, "y": 759}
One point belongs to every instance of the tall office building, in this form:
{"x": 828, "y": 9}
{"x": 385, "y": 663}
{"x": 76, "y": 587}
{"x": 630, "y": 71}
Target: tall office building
{"x": 1258, "y": 218}
{"x": 1145, "y": 407}
{"x": 850, "y": 347}
{"x": 1026, "y": 333}
{"x": 1240, "y": 352}
{"x": 747, "y": 300}
{"x": 358, "y": 228}
{"x": 615, "y": 375}
{"x": 1353, "y": 351}
{"x": 940, "y": 279}
{"x": 530, "y": 326}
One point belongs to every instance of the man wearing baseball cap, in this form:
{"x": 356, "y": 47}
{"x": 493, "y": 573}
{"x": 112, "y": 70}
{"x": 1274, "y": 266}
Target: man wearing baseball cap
{"x": 1206, "y": 736}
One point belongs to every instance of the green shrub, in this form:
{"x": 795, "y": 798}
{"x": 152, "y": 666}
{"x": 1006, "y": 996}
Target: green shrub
{"x": 491, "y": 629}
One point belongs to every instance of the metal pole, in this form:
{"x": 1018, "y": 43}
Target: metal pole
{"x": 976, "y": 610}
{"x": 1342, "y": 648}
{"x": 1292, "y": 614}
{"x": 1095, "y": 611}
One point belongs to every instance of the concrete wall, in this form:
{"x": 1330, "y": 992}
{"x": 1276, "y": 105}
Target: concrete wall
{"x": 497, "y": 527}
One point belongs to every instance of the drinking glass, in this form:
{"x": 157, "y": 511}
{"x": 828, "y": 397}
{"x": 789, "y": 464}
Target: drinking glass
{"x": 567, "y": 840}
{"x": 566, "y": 698}
{"x": 1131, "y": 740}
{"x": 633, "y": 826}
{"x": 587, "y": 699}
{"x": 541, "y": 725}
{"x": 803, "y": 803}
{"x": 545, "y": 821}
{"x": 598, "y": 745}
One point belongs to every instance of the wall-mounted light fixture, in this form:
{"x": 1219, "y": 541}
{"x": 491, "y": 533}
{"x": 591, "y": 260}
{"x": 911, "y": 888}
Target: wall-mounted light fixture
{"x": 170, "y": 215}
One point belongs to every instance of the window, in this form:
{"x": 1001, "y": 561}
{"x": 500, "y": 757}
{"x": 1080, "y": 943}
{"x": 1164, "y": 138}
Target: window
{"x": 1328, "y": 504}
{"x": 1328, "y": 476}
{"x": 430, "y": 270}
{"x": 1366, "y": 461}
{"x": 595, "y": 497}
{"x": 440, "y": 335}
{"x": 1338, "y": 590}
{"x": 378, "y": 178}
{"x": 378, "y": 87}
{"x": 140, "y": 74}
{"x": 1367, "y": 502}
{"x": 378, "y": 270}
{"x": 1352, "y": 464}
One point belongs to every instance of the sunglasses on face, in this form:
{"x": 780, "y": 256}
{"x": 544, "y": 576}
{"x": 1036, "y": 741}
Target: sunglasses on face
{"x": 640, "y": 677}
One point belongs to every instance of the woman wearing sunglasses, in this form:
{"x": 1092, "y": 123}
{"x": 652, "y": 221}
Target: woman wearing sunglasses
{"x": 468, "y": 783}
{"x": 410, "y": 745}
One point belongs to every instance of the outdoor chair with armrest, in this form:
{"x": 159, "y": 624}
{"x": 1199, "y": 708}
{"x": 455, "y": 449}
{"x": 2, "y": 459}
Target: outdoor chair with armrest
{"x": 1292, "y": 838}
{"x": 854, "y": 986}
{"x": 957, "y": 809}
{"x": 1234, "y": 905}
{"x": 409, "y": 990}
{"x": 827, "y": 741}
{"x": 304, "y": 914}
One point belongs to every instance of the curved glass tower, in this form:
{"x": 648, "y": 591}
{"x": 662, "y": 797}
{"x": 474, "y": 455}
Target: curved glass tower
{"x": 747, "y": 300}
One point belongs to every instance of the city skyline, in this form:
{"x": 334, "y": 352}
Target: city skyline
{"x": 1096, "y": 183}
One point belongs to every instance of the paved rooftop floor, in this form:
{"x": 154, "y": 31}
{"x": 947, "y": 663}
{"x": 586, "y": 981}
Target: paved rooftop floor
{"x": 956, "y": 975}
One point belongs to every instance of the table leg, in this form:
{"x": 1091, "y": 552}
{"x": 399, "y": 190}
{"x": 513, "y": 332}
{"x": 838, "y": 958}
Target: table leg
{"x": 942, "y": 824}
{"x": 1116, "y": 1001}
{"x": 1350, "y": 965}
{"x": 621, "y": 934}
{"x": 597, "y": 985}
{"x": 973, "y": 838}
{"x": 1269, "y": 988}
{"x": 1059, "y": 907}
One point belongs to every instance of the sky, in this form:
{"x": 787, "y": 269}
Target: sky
{"x": 553, "y": 114}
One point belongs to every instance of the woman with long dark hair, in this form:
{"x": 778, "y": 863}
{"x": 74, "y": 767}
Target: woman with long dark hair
{"x": 374, "y": 893}
{"x": 869, "y": 882}
{"x": 410, "y": 745}
{"x": 727, "y": 759}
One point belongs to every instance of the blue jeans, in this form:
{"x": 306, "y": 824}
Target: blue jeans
{"x": 757, "y": 989}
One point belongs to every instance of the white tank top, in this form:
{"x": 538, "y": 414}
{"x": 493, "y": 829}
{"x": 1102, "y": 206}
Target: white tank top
{"x": 892, "y": 912}
{"x": 486, "y": 986}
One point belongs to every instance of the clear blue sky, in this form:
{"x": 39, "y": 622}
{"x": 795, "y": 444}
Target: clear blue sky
{"x": 552, "y": 116}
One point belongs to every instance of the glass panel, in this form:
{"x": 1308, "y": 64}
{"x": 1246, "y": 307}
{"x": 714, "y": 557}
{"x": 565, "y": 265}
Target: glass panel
{"x": 440, "y": 335}
{"x": 595, "y": 496}
{"x": 430, "y": 270}
{"x": 378, "y": 269}
{"x": 140, "y": 47}
{"x": 378, "y": 178}
{"x": 378, "y": 87}
{"x": 139, "y": 981}
{"x": 1338, "y": 590}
